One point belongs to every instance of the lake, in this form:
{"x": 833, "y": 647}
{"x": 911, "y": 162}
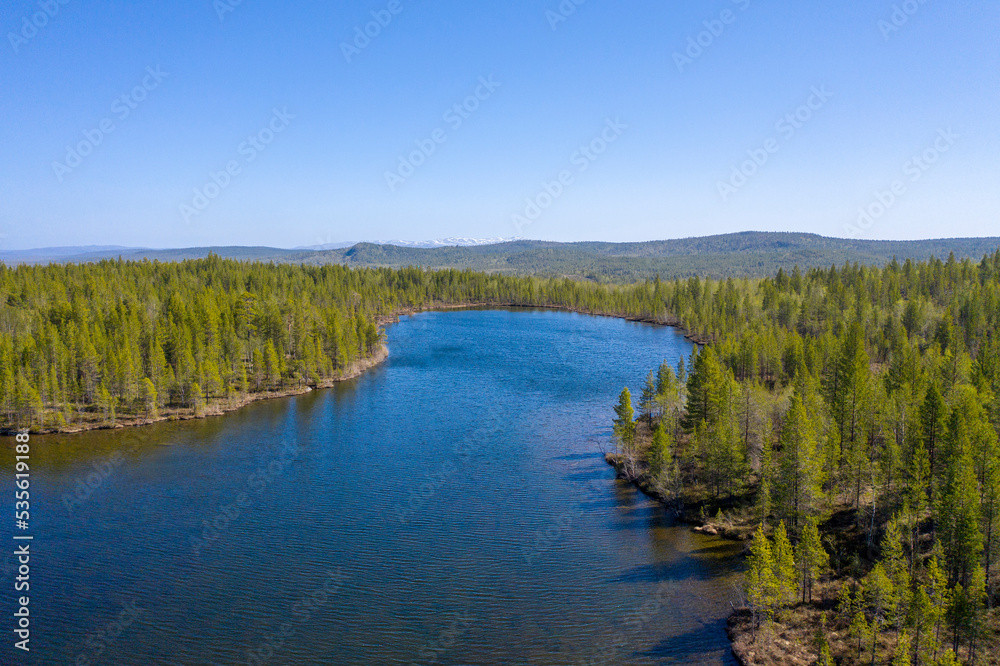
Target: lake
{"x": 451, "y": 506}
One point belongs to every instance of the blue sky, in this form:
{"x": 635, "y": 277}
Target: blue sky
{"x": 834, "y": 102}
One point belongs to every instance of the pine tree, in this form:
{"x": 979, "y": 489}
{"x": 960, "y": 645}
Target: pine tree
{"x": 272, "y": 365}
{"x": 625, "y": 419}
{"x": 921, "y": 620}
{"x": 647, "y": 401}
{"x": 197, "y": 399}
{"x": 147, "y": 395}
{"x": 860, "y": 631}
{"x": 958, "y": 520}
{"x": 822, "y": 644}
{"x": 784, "y": 564}
{"x": 902, "y": 654}
{"x": 801, "y": 468}
{"x": 879, "y": 595}
{"x": 897, "y": 569}
{"x": 761, "y": 585}
{"x": 932, "y": 422}
{"x": 939, "y": 595}
{"x": 661, "y": 456}
{"x": 764, "y": 487}
{"x": 624, "y": 432}
{"x": 990, "y": 509}
{"x": 704, "y": 388}
{"x": 811, "y": 557}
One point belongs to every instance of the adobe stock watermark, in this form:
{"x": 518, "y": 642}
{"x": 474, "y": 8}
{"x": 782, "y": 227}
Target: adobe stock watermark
{"x": 446, "y": 640}
{"x": 300, "y": 614}
{"x": 223, "y": 7}
{"x": 714, "y": 29}
{"x": 913, "y": 170}
{"x": 786, "y": 128}
{"x": 634, "y": 623}
{"x": 102, "y": 639}
{"x": 214, "y": 527}
{"x": 420, "y": 495}
{"x": 581, "y": 159}
{"x": 562, "y": 13}
{"x": 381, "y": 19}
{"x": 121, "y": 108}
{"x": 30, "y": 26}
{"x": 900, "y": 16}
{"x": 455, "y": 116}
{"x": 546, "y": 538}
{"x": 92, "y": 481}
{"x": 248, "y": 150}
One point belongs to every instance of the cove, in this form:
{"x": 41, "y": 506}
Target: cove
{"x": 450, "y": 506}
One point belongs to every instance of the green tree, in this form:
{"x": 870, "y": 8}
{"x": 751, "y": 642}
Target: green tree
{"x": 898, "y": 571}
{"x": 647, "y": 401}
{"x": 879, "y": 595}
{"x": 784, "y": 564}
{"x": 932, "y": 423}
{"x": 958, "y": 520}
{"x": 624, "y": 431}
{"x": 801, "y": 469}
{"x": 147, "y": 395}
{"x": 811, "y": 557}
{"x": 660, "y": 456}
{"x": 761, "y": 585}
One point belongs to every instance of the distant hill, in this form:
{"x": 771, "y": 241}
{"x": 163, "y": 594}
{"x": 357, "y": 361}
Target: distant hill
{"x": 440, "y": 242}
{"x": 99, "y": 253}
{"x": 44, "y": 255}
{"x": 747, "y": 254}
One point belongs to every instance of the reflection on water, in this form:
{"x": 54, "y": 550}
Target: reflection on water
{"x": 449, "y": 507}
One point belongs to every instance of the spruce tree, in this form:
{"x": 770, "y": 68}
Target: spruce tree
{"x": 811, "y": 557}
{"x": 647, "y": 401}
{"x": 784, "y": 565}
{"x": 761, "y": 585}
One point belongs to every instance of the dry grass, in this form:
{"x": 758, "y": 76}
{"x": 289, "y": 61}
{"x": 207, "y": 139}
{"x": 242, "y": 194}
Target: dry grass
{"x": 791, "y": 638}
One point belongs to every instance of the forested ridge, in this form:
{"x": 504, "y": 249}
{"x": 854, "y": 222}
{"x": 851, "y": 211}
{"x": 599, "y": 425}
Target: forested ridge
{"x": 738, "y": 255}
{"x": 851, "y": 416}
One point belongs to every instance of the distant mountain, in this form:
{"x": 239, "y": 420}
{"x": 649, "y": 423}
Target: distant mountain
{"x": 747, "y": 254}
{"x": 44, "y": 255}
{"x": 100, "y": 253}
{"x": 441, "y": 242}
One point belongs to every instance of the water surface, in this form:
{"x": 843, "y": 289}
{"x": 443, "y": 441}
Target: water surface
{"x": 449, "y": 507}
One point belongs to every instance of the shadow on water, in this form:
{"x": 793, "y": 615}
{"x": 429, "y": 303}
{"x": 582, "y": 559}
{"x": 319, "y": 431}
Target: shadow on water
{"x": 689, "y": 647}
{"x": 581, "y": 456}
{"x": 660, "y": 572}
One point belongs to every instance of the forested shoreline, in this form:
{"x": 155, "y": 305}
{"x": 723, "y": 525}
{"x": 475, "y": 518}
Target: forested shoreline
{"x": 848, "y": 420}
{"x": 101, "y": 344}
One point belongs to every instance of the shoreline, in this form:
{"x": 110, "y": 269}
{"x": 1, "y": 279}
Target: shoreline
{"x": 669, "y": 321}
{"x": 356, "y": 369}
{"x": 735, "y": 629}
{"x": 222, "y": 406}
{"x": 688, "y": 515}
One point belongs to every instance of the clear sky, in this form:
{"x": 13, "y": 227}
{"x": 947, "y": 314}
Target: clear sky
{"x": 313, "y": 118}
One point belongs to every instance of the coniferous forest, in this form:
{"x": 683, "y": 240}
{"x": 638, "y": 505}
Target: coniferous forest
{"x": 846, "y": 418}
{"x": 92, "y": 344}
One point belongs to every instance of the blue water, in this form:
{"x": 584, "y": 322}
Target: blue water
{"x": 450, "y": 506}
